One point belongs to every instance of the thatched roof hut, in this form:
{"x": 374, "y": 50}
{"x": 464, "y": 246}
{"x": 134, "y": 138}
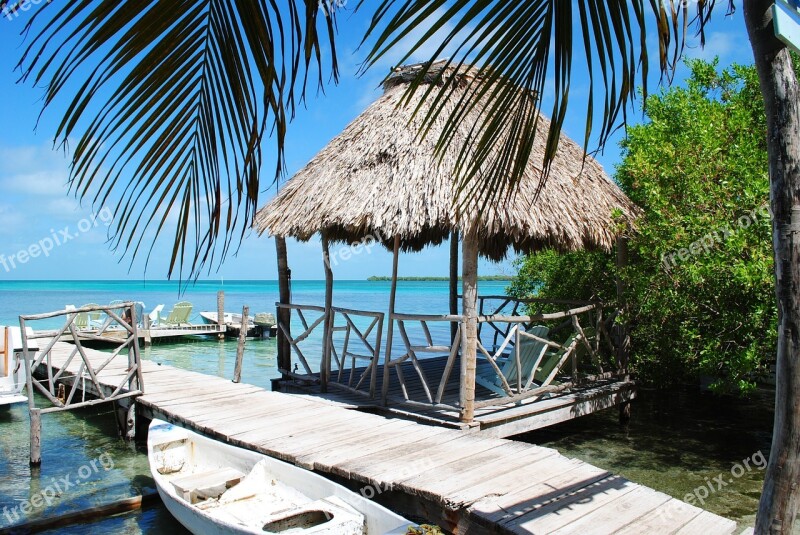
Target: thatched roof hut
{"x": 378, "y": 178}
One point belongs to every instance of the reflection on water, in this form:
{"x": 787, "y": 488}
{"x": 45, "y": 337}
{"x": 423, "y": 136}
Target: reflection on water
{"x": 678, "y": 443}
{"x": 218, "y": 357}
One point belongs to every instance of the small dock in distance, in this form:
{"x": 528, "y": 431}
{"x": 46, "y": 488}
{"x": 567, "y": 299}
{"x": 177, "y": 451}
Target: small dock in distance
{"x": 464, "y": 482}
{"x": 149, "y": 335}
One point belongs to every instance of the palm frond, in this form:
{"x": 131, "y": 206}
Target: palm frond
{"x": 170, "y": 101}
{"x": 526, "y": 49}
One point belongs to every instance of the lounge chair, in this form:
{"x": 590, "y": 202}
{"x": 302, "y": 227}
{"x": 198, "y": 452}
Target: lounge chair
{"x": 179, "y": 315}
{"x": 87, "y": 320}
{"x": 531, "y": 352}
{"x": 552, "y": 362}
{"x": 155, "y": 315}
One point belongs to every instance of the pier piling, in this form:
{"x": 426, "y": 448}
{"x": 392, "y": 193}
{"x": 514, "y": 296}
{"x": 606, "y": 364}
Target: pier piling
{"x": 237, "y": 371}
{"x": 36, "y": 437}
{"x": 221, "y": 312}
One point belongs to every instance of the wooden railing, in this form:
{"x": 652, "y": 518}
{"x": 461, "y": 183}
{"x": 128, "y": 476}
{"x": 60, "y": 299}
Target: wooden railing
{"x": 571, "y": 339}
{"x": 577, "y": 339}
{"x": 309, "y": 326}
{"x": 131, "y": 384}
{"x": 434, "y": 392}
{"x": 61, "y": 384}
{"x": 360, "y": 344}
{"x": 367, "y": 341}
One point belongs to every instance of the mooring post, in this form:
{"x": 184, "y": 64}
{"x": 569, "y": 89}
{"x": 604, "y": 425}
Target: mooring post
{"x": 36, "y": 437}
{"x": 221, "y": 312}
{"x": 237, "y": 370}
{"x": 130, "y": 432}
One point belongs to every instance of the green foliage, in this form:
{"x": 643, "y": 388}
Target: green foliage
{"x": 700, "y": 275}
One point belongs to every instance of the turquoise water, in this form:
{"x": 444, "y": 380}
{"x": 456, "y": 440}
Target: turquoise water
{"x": 676, "y": 442}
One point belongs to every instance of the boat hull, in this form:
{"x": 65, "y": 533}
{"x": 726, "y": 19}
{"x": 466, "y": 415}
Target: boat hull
{"x": 170, "y": 447}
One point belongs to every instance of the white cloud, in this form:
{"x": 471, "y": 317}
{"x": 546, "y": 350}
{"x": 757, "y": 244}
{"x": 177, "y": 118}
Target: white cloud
{"x": 33, "y": 170}
{"x": 10, "y": 220}
{"x": 722, "y": 44}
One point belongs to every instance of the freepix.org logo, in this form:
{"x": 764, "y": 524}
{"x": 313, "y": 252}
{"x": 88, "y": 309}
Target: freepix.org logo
{"x": 12, "y": 10}
{"x": 57, "y": 238}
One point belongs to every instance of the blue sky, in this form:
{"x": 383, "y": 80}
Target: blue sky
{"x": 71, "y": 239}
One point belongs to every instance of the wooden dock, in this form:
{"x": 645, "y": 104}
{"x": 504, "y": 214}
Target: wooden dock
{"x": 501, "y": 419}
{"x": 148, "y": 335}
{"x": 466, "y": 483}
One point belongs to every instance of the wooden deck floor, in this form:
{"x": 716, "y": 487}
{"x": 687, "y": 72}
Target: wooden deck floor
{"x": 502, "y": 420}
{"x": 464, "y": 482}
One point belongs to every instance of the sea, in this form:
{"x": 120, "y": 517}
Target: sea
{"x": 677, "y": 441}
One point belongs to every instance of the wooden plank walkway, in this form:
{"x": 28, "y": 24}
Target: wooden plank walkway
{"x": 466, "y": 483}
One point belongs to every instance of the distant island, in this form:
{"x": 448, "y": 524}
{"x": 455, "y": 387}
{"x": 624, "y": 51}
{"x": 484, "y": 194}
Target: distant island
{"x": 440, "y": 279}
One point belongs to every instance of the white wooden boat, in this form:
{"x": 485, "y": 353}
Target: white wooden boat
{"x": 214, "y": 488}
{"x": 12, "y": 367}
{"x": 260, "y": 326}
{"x": 210, "y": 318}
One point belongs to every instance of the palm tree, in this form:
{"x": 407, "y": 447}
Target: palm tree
{"x": 196, "y": 85}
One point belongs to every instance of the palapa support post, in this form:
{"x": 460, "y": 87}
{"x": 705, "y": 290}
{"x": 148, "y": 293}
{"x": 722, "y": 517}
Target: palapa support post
{"x": 284, "y": 314}
{"x": 453, "y": 284}
{"x": 325, "y": 370}
{"x": 390, "y": 328}
{"x": 470, "y": 331}
{"x": 221, "y": 312}
{"x": 237, "y": 370}
{"x": 623, "y": 338}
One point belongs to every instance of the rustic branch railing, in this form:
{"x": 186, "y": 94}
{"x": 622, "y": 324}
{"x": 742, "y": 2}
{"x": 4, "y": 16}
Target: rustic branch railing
{"x": 59, "y": 376}
{"x": 368, "y": 348}
{"x": 575, "y": 334}
{"x": 563, "y": 338}
{"x": 132, "y": 383}
{"x": 434, "y": 393}
{"x": 294, "y": 342}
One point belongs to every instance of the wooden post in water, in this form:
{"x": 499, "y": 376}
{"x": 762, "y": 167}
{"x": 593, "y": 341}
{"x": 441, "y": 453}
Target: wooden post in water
{"x": 453, "y": 284}
{"x": 35, "y": 414}
{"x": 328, "y": 325}
{"x": 221, "y": 312}
{"x": 237, "y": 370}
{"x": 390, "y": 329}
{"x": 623, "y": 335}
{"x": 470, "y": 331}
{"x": 36, "y": 437}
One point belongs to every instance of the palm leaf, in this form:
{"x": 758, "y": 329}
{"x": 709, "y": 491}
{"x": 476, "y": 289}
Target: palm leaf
{"x": 525, "y": 49}
{"x": 175, "y": 99}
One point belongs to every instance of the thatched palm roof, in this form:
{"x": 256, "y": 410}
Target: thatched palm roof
{"x": 378, "y": 178}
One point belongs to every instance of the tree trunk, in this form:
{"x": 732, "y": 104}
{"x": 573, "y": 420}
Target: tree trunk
{"x": 780, "y": 496}
{"x": 285, "y": 297}
{"x": 453, "y": 283}
{"x": 469, "y": 333}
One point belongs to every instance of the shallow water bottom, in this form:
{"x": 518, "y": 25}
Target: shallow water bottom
{"x": 707, "y": 450}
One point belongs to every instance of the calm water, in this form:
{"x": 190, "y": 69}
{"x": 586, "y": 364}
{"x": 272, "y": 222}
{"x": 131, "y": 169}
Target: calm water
{"x": 675, "y": 443}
